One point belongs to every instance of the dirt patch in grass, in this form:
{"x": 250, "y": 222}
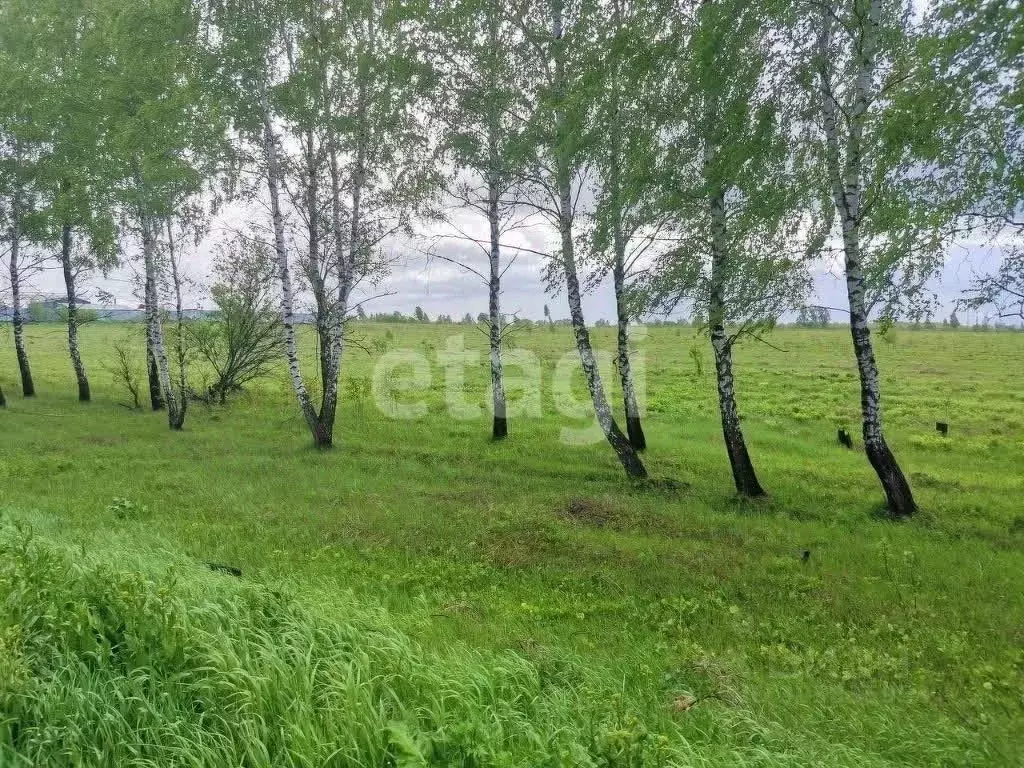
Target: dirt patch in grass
{"x": 595, "y": 512}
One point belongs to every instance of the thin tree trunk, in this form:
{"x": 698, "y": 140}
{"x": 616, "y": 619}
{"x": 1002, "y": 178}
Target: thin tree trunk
{"x": 156, "y": 397}
{"x": 325, "y": 344}
{"x": 179, "y": 422}
{"x": 3, "y": 400}
{"x": 344, "y": 262}
{"x": 154, "y": 327}
{"x": 739, "y": 459}
{"x": 634, "y": 428}
{"x": 625, "y": 452}
{"x": 500, "y": 426}
{"x": 499, "y": 429}
{"x": 284, "y": 274}
{"x": 28, "y": 388}
{"x": 69, "y": 283}
{"x": 847, "y": 196}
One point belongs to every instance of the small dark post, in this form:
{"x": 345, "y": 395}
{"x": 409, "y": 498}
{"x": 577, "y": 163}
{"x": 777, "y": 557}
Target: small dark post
{"x": 942, "y": 428}
{"x": 845, "y": 439}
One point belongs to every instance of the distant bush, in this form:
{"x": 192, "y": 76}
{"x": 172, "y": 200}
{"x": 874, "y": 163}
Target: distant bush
{"x": 115, "y": 663}
{"x": 243, "y": 340}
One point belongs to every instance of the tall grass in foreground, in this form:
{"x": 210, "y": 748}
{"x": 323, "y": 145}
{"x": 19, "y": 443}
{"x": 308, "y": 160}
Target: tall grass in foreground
{"x": 103, "y": 663}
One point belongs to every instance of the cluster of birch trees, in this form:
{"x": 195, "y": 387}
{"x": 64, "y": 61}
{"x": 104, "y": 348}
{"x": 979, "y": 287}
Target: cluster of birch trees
{"x": 707, "y": 153}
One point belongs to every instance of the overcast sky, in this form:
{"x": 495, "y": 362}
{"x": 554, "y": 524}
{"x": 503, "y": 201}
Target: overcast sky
{"x": 440, "y": 287}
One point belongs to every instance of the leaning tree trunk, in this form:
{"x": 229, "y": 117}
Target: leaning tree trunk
{"x": 500, "y": 427}
{"x": 739, "y": 459}
{"x": 69, "y": 283}
{"x": 846, "y": 174}
{"x": 897, "y": 490}
{"x": 28, "y": 387}
{"x": 284, "y": 275}
{"x": 625, "y": 452}
{"x": 154, "y": 328}
{"x": 634, "y": 427}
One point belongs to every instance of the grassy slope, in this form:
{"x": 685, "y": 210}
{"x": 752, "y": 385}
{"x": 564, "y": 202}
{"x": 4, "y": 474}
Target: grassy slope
{"x": 894, "y": 644}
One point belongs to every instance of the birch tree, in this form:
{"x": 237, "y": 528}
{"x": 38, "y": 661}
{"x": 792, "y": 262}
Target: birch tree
{"x": 15, "y": 206}
{"x": 336, "y": 84}
{"x": 557, "y": 127}
{"x": 622, "y": 152}
{"x": 476, "y": 47}
{"x": 17, "y": 89}
{"x": 163, "y": 135}
{"x": 732, "y": 190}
{"x": 894, "y": 183}
{"x": 57, "y": 60}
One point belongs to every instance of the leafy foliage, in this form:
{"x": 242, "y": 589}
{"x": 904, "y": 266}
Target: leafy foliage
{"x": 242, "y": 343}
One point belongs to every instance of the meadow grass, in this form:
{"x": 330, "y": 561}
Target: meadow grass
{"x": 894, "y": 644}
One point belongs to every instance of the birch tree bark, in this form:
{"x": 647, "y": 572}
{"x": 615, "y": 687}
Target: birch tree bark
{"x": 634, "y": 428}
{"x": 845, "y": 176}
{"x": 284, "y": 275}
{"x": 28, "y": 388}
{"x": 69, "y": 283}
{"x": 346, "y": 261}
{"x": 156, "y": 396}
{"x": 154, "y": 327}
{"x": 500, "y": 427}
{"x": 625, "y": 452}
{"x": 478, "y": 78}
{"x": 739, "y": 459}
{"x": 179, "y": 329}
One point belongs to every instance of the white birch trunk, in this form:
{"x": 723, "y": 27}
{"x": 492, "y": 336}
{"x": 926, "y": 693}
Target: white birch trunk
{"x": 179, "y": 330}
{"x": 500, "y": 426}
{"x": 28, "y": 388}
{"x": 634, "y": 426}
{"x": 69, "y": 284}
{"x": 627, "y": 455}
{"x": 154, "y": 327}
{"x": 847, "y": 197}
{"x": 744, "y": 476}
{"x": 284, "y": 275}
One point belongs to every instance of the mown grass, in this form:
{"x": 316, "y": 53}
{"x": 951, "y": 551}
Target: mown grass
{"x": 895, "y": 644}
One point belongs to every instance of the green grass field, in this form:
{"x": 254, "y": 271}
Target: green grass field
{"x": 521, "y": 589}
